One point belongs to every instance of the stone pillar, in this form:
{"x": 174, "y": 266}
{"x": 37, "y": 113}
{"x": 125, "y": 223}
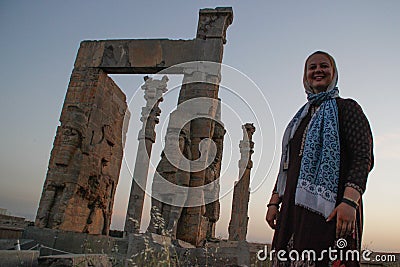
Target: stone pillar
{"x": 193, "y": 224}
{"x": 153, "y": 93}
{"x": 201, "y": 80}
{"x": 83, "y": 173}
{"x": 241, "y": 193}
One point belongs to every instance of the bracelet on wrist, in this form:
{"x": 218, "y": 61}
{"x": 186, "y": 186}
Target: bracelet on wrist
{"x": 350, "y": 202}
{"x": 273, "y": 204}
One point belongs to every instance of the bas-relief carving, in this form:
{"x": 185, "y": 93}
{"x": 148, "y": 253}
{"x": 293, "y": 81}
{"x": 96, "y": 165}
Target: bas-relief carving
{"x": 72, "y": 136}
{"x": 67, "y": 151}
{"x": 71, "y": 140}
{"x": 99, "y": 188}
{"x": 212, "y": 176}
{"x": 165, "y": 218}
{"x": 84, "y": 164}
{"x": 170, "y": 214}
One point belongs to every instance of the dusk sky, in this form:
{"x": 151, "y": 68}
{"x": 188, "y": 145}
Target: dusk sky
{"x": 264, "y": 56}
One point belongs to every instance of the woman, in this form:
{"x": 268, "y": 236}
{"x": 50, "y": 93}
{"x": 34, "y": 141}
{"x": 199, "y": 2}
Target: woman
{"x": 326, "y": 157}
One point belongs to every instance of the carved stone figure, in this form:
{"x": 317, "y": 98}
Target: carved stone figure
{"x": 168, "y": 173}
{"x": 78, "y": 193}
{"x": 212, "y": 176}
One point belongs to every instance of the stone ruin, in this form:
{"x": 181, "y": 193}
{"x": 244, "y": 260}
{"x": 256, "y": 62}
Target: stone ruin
{"x": 79, "y": 190}
{"x": 84, "y": 167}
{"x": 86, "y": 158}
{"x": 241, "y": 194}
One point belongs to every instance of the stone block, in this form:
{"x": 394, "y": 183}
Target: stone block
{"x": 8, "y": 232}
{"x": 70, "y": 260}
{"x": 213, "y": 22}
{"x": 147, "y": 56}
{"x": 90, "y": 54}
{"x": 23, "y": 258}
{"x": 73, "y": 242}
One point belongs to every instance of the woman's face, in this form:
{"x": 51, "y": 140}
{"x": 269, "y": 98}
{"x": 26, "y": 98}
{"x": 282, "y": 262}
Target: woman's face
{"x": 319, "y": 72}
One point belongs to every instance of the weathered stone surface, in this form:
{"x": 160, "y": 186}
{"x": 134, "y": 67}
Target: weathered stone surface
{"x": 146, "y": 56}
{"x": 8, "y": 220}
{"x": 213, "y": 23}
{"x": 90, "y": 54}
{"x": 156, "y": 250}
{"x": 84, "y": 166}
{"x": 213, "y": 172}
{"x": 191, "y": 222}
{"x": 241, "y": 194}
{"x": 12, "y": 232}
{"x": 11, "y": 227}
{"x": 71, "y": 260}
{"x": 23, "y": 258}
{"x": 76, "y": 243}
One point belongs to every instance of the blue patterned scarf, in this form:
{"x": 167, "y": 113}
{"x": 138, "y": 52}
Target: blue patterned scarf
{"x": 317, "y": 185}
{"x": 319, "y": 170}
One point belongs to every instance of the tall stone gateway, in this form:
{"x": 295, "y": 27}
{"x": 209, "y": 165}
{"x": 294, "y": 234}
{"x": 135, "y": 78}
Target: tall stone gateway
{"x": 85, "y": 161}
{"x": 241, "y": 194}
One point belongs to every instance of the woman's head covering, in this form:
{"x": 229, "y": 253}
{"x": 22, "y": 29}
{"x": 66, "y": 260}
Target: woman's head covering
{"x": 334, "y": 77}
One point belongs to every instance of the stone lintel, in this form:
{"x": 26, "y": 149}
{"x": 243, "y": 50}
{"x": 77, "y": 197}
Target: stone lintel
{"x": 147, "y": 56}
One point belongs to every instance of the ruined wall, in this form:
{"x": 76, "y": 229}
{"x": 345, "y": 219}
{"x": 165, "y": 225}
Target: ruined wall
{"x": 83, "y": 172}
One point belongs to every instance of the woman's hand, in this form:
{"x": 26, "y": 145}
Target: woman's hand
{"x": 346, "y": 219}
{"x": 272, "y": 216}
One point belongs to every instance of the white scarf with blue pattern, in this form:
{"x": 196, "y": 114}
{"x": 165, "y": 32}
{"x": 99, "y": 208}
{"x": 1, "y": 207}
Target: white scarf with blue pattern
{"x": 318, "y": 180}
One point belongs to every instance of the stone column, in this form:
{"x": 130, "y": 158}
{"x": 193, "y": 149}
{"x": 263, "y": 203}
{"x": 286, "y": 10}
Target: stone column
{"x": 241, "y": 193}
{"x": 153, "y": 93}
{"x": 201, "y": 81}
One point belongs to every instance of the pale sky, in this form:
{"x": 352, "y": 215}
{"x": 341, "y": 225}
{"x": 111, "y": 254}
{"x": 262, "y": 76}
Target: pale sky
{"x": 267, "y": 45}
